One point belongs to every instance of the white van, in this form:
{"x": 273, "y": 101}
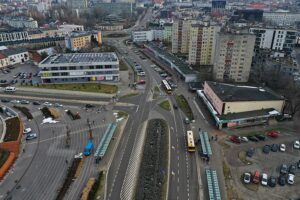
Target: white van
{"x": 10, "y": 89}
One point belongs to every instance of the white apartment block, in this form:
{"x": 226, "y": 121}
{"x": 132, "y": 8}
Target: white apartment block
{"x": 281, "y": 18}
{"x": 15, "y": 56}
{"x": 233, "y": 57}
{"x": 21, "y": 22}
{"x": 181, "y": 36}
{"x": 202, "y": 44}
{"x": 274, "y": 38}
{"x": 147, "y": 36}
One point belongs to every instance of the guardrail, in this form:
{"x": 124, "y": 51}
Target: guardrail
{"x": 213, "y": 185}
{"x": 104, "y": 143}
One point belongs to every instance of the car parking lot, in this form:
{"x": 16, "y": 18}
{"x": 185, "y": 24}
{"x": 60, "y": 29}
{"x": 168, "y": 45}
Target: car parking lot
{"x": 19, "y": 74}
{"x": 273, "y": 163}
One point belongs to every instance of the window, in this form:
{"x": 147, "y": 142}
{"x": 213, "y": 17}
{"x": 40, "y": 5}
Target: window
{"x": 64, "y": 73}
{"x": 63, "y": 68}
{"x": 54, "y": 68}
{"x": 91, "y": 67}
{"x": 72, "y": 68}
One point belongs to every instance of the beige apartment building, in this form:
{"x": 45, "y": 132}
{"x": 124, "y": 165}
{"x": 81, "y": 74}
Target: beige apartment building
{"x": 202, "y": 43}
{"x": 181, "y": 36}
{"x": 233, "y": 56}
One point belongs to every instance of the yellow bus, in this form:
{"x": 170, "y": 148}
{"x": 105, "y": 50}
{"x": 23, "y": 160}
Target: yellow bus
{"x": 190, "y": 141}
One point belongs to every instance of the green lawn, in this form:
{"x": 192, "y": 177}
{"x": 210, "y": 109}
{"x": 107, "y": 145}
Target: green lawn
{"x": 122, "y": 114}
{"x": 184, "y": 105}
{"x": 83, "y": 87}
{"x": 156, "y": 92}
{"x": 165, "y": 105}
{"x": 3, "y": 156}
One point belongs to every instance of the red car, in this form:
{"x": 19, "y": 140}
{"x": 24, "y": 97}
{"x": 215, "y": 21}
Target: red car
{"x": 256, "y": 177}
{"x": 273, "y": 134}
{"x": 141, "y": 82}
{"x": 235, "y": 139}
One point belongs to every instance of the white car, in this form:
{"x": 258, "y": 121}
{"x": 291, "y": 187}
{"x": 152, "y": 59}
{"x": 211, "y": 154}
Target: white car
{"x": 58, "y": 105}
{"x": 27, "y": 130}
{"x": 282, "y": 147}
{"x": 243, "y": 139}
{"x": 47, "y": 104}
{"x": 291, "y": 179}
{"x": 296, "y": 144}
{"x": 247, "y": 177}
{"x": 15, "y": 101}
{"x": 264, "y": 179}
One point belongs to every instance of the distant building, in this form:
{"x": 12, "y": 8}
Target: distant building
{"x": 13, "y": 35}
{"x": 80, "y": 67}
{"x": 77, "y": 40}
{"x": 167, "y": 32}
{"x": 110, "y": 27}
{"x": 116, "y": 8}
{"x": 202, "y": 43}
{"x": 147, "y": 36}
{"x": 21, "y": 22}
{"x": 233, "y": 57}
{"x": 218, "y": 7}
{"x": 15, "y": 55}
{"x": 280, "y": 39}
{"x": 77, "y": 4}
{"x": 252, "y": 15}
{"x": 181, "y": 36}
{"x": 282, "y": 18}
{"x": 240, "y": 106}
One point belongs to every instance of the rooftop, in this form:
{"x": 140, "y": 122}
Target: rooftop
{"x": 9, "y": 52}
{"x": 229, "y": 92}
{"x": 80, "y": 58}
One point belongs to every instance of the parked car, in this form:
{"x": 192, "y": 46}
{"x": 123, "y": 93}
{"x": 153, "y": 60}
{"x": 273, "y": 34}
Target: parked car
{"x": 27, "y": 130}
{"x": 281, "y": 180}
{"x": 15, "y": 101}
{"x": 282, "y": 147}
{"x": 260, "y": 137}
{"x": 235, "y": 139}
{"x": 3, "y": 81}
{"x": 89, "y": 106}
{"x": 264, "y": 179}
{"x": 291, "y": 179}
{"x": 292, "y": 169}
{"x": 283, "y": 169}
{"x": 266, "y": 149}
{"x": 273, "y": 134}
{"x": 253, "y": 139}
{"x": 250, "y": 152}
{"x": 243, "y": 139}
{"x": 24, "y": 102}
{"x": 186, "y": 120}
{"x": 58, "y": 105}
{"x": 256, "y": 177}
{"x": 31, "y": 136}
{"x": 5, "y": 100}
{"x": 274, "y": 147}
{"x": 175, "y": 106}
{"x": 296, "y": 144}
{"x": 247, "y": 177}
{"x": 36, "y": 103}
{"x": 272, "y": 181}
{"x": 47, "y": 104}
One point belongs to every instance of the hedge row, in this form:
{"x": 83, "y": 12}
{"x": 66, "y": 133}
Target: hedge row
{"x": 93, "y": 192}
{"x": 25, "y": 111}
{"x": 46, "y": 112}
{"x": 72, "y": 115}
{"x": 12, "y": 129}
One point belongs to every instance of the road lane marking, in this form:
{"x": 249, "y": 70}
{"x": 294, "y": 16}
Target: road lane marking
{"x": 199, "y": 109}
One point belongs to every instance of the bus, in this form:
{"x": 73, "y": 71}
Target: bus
{"x": 166, "y": 86}
{"x": 190, "y": 141}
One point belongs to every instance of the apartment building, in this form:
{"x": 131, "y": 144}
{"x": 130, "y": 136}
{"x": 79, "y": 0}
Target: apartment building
{"x": 281, "y": 18}
{"x": 181, "y": 36}
{"x": 202, "y": 43}
{"x": 77, "y": 41}
{"x": 80, "y": 67}
{"x": 274, "y": 38}
{"x": 167, "y": 32}
{"x": 233, "y": 56}
{"x": 21, "y": 22}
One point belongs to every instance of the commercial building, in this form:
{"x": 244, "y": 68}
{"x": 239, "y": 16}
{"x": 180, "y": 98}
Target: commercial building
{"x": 147, "y": 36}
{"x": 13, "y": 35}
{"x": 233, "y": 56}
{"x": 238, "y": 106}
{"x": 21, "y": 22}
{"x": 251, "y": 15}
{"x": 167, "y": 32}
{"x": 181, "y": 36}
{"x": 15, "y": 55}
{"x": 80, "y": 67}
{"x": 274, "y": 38}
{"x": 202, "y": 43}
{"x": 282, "y": 18}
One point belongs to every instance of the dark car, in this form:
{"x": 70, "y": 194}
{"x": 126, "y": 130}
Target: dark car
{"x": 281, "y": 180}
{"x": 3, "y": 81}
{"x": 4, "y": 100}
{"x": 298, "y": 164}
{"x": 36, "y": 103}
{"x": 283, "y": 169}
{"x": 260, "y": 137}
{"x": 253, "y": 139}
{"x": 272, "y": 181}
{"x": 24, "y": 102}
{"x": 292, "y": 169}
{"x": 175, "y": 106}
{"x": 274, "y": 147}
{"x": 266, "y": 149}
{"x": 89, "y": 106}
{"x": 250, "y": 152}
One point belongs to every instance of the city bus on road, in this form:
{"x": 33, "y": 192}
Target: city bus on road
{"x": 190, "y": 141}
{"x": 166, "y": 86}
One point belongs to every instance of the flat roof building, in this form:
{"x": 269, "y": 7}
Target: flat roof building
{"x": 236, "y": 105}
{"x": 80, "y": 67}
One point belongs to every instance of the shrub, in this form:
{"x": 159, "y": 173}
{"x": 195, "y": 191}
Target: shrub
{"x": 25, "y": 111}
{"x": 72, "y": 115}
{"x": 12, "y": 129}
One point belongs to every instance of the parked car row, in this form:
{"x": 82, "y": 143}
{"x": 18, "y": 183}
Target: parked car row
{"x": 15, "y": 101}
{"x": 254, "y": 138}
{"x": 29, "y": 134}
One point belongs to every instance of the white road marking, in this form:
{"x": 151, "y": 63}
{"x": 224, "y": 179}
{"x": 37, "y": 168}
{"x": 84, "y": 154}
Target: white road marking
{"x": 199, "y": 109}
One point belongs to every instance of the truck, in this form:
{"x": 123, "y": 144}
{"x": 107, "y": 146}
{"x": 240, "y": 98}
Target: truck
{"x": 88, "y": 148}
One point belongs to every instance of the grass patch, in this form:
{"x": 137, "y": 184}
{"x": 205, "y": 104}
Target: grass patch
{"x": 165, "y": 105}
{"x": 3, "y": 156}
{"x": 122, "y": 114}
{"x": 12, "y": 129}
{"x": 130, "y": 95}
{"x": 83, "y": 87}
{"x": 123, "y": 66}
{"x": 243, "y": 158}
{"x": 97, "y": 191}
{"x": 184, "y": 105}
{"x": 156, "y": 92}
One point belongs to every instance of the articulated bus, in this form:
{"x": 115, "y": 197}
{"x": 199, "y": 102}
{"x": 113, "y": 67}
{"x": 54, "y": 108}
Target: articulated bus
{"x": 190, "y": 141}
{"x": 166, "y": 86}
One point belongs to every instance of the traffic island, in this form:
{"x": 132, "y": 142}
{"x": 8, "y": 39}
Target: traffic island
{"x": 184, "y": 106}
{"x": 165, "y": 105}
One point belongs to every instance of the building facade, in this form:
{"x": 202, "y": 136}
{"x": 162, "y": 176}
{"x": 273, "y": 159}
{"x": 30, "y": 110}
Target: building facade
{"x": 281, "y": 18}
{"x": 15, "y": 55}
{"x": 202, "y": 44}
{"x": 80, "y": 67}
{"x": 13, "y": 36}
{"x": 233, "y": 57}
{"x": 181, "y": 36}
{"x": 147, "y": 36}
{"x": 274, "y": 38}
{"x": 77, "y": 41}
{"x": 21, "y": 22}
{"x": 167, "y": 32}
